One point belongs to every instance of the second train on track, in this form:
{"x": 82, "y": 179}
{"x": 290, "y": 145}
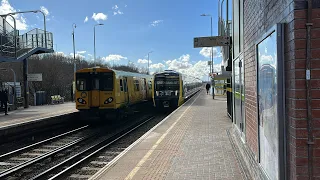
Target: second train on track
{"x": 106, "y": 92}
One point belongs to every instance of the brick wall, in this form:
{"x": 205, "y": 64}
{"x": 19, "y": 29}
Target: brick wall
{"x": 259, "y": 17}
{"x": 296, "y": 95}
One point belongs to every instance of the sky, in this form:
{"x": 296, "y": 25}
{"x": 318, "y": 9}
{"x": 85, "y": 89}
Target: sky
{"x": 131, "y": 29}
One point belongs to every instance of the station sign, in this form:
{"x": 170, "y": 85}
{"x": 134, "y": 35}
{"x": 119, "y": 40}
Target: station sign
{"x": 35, "y": 77}
{"x": 211, "y": 41}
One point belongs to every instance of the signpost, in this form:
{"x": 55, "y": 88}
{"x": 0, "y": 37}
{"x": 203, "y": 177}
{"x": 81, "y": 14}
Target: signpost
{"x": 211, "y": 41}
{"x": 35, "y": 77}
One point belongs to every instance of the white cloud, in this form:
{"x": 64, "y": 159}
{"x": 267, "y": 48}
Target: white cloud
{"x": 157, "y": 66}
{"x": 117, "y": 12}
{"x": 206, "y": 52}
{"x": 113, "y": 57}
{"x": 185, "y": 58}
{"x": 181, "y": 63}
{"x": 80, "y": 56}
{"x": 6, "y": 8}
{"x": 44, "y": 10}
{"x": 81, "y": 52}
{"x": 99, "y": 16}
{"x": 86, "y": 19}
{"x": 60, "y": 53}
{"x": 198, "y": 69}
{"x": 156, "y": 22}
{"x": 90, "y": 55}
{"x": 144, "y": 61}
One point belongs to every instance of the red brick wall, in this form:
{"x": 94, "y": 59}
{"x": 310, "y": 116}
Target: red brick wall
{"x": 296, "y": 95}
{"x": 259, "y": 17}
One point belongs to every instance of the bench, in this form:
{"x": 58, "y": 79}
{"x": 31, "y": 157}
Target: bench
{"x": 57, "y": 99}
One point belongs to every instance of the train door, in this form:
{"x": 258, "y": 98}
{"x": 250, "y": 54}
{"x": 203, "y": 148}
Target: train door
{"x": 126, "y": 93}
{"x": 144, "y": 89}
{"x": 95, "y": 93}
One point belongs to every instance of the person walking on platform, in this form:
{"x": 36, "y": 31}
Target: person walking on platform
{"x": 4, "y": 101}
{"x": 1, "y": 98}
{"x": 224, "y": 89}
{"x": 208, "y": 87}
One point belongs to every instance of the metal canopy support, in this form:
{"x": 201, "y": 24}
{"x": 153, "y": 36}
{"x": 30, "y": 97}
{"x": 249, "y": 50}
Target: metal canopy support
{"x": 25, "y": 83}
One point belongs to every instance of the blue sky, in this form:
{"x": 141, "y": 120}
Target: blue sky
{"x": 128, "y": 35}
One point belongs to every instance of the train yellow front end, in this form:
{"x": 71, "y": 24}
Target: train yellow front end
{"x": 102, "y": 90}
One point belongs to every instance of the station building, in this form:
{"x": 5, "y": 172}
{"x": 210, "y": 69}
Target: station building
{"x": 275, "y": 101}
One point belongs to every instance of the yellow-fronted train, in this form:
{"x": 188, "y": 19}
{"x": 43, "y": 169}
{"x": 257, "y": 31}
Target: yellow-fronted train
{"x": 172, "y": 88}
{"x": 106, "y": 92}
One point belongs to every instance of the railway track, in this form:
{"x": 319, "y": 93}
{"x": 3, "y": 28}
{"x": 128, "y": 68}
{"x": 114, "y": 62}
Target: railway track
{"x": 56, "y": 156}
{"x": 64, "y": 169}
{"x": 25, "y": 157}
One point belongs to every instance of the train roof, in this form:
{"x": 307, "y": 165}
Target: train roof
{"x": 172, "y": 72}
{"x": 117, "y": 72}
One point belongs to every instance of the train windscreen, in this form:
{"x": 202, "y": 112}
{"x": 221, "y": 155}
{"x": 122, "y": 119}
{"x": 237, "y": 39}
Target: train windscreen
{"x": 164, "y": 83}
{"x": 89, "y": 81}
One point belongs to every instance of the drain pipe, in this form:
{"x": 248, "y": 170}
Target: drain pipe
{"x": 308, "y": 86}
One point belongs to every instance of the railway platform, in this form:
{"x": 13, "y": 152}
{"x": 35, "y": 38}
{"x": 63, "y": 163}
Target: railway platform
{"x": 35, "y": 114}
{"x": 191, "y": 143}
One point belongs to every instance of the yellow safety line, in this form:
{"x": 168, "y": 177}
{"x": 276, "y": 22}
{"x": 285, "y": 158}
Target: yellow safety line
{"x": 143, "y": 160}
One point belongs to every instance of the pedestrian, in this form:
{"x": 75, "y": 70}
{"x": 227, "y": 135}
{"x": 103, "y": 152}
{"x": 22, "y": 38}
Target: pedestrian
{"x": 224, "y": 89}
{"x": 4, "y": 101}
{"x": 208, "y": 87}
{"x": 1, "y": 98}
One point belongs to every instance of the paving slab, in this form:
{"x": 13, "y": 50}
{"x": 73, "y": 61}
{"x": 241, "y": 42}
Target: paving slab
{"x": 192, "y": 143}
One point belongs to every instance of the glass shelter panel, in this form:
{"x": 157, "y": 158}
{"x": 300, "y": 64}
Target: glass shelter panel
{"x": 267, "y": 103}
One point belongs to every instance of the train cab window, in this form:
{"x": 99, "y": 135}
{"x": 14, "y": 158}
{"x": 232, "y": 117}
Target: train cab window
{"x": 121, "y": 85}
{"x": 136, "y": 85}
{"x": 81, "y": 85}
{"x": 95, "y": 84}
{"x": 106, "y": 82}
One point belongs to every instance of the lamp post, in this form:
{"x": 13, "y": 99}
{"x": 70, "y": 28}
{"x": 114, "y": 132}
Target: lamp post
{"x": 74, "y": 49}
{"x": 211, "y": 67}
{"x": 94, "y": 41}
{"x": 148, "y": 62}
{"x": 14, "y": 84}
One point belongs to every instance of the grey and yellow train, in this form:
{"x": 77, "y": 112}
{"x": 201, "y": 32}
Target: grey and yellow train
{"x": 102, "y": 91}
{"x": 172, "y": 88}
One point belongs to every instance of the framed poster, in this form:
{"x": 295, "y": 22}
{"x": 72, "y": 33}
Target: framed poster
{"x": 270, "y": 98}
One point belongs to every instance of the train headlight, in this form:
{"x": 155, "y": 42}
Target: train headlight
{"x": 81, "y": 101}
{"x": 109, "y": 100}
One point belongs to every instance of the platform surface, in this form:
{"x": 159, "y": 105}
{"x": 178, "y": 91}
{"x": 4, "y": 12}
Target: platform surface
{"x": 34, "y": 113}
{"x": 190, "y": 144}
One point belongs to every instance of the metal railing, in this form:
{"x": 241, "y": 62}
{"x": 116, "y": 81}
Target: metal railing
{"x": 25, "y": 43}
{"x": 35, "y": 38}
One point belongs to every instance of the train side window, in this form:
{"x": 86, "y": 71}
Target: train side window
{"x": 81, "y": 85}
{"x": 136, "y": 85}
{"x": 121, "y": 85}
{"x": 125, "y": 85}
